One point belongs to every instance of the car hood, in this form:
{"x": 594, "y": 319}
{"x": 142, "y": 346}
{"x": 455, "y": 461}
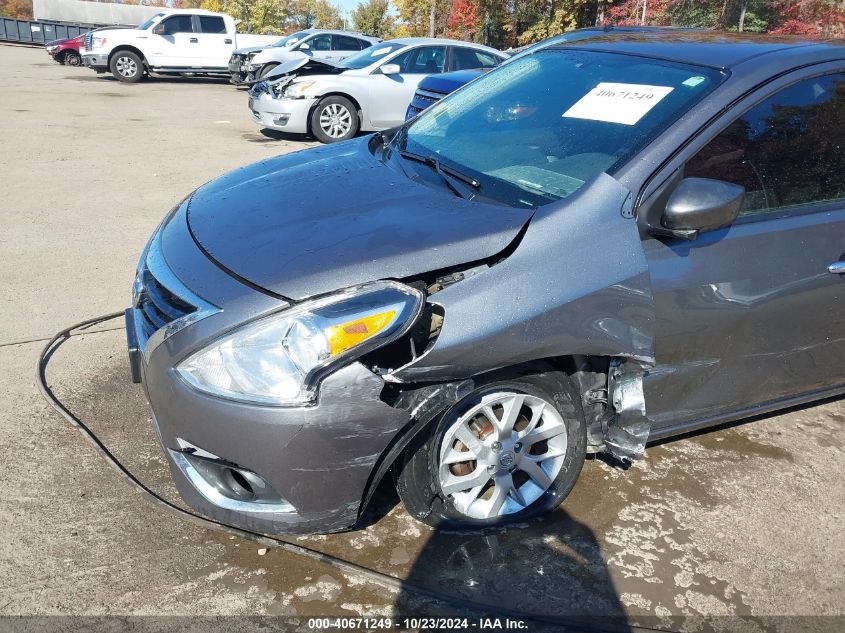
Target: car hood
{"x": 303, "y": 64}
{"x": 249, "y": 49}
{"x": 449, "y": 82}
{"x": 315, "y": 221}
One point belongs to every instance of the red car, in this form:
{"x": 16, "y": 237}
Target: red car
{"x": 66, "y": 51}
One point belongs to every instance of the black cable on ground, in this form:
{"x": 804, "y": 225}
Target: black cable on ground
{"x": 345, "y": 566}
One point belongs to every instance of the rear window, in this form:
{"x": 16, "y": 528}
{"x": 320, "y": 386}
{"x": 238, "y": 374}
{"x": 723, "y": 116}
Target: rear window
{"x": 212, "y": 24}
{"x": 346, "y": 43}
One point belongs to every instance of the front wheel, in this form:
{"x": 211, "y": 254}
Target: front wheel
{"x": 510, "y": 451}
{"x": 73, "y": 58}
{"x": 265, "y": 70}
{"x": 126, "y": 66}
{"x": 334, "y": 119}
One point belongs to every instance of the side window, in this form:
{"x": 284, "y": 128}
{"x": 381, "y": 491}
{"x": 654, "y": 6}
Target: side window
{"x": 320, "y": 42}
{"x": 212, "y": 24}
{"x": 469, "y": 58}
{"x": 425, "y": 60}
{"x": 178, "y": 24}
{"x": 788, "y": 151}
{"x": 345, "y": 43}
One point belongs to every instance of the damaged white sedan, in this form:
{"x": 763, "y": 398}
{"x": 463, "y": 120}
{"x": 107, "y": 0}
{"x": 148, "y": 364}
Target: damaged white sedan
{"x": 369, "y": 91}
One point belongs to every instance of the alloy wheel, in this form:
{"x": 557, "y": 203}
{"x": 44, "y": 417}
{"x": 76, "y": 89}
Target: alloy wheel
{"x": 502, "y": 455}
{"x": 126, "y": 66}
{"x": 335, "y": 120}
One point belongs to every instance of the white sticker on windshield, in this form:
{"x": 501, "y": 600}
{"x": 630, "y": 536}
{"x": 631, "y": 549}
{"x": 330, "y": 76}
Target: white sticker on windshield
{"x": 617, "y": 103}
{"x": 381, "y": 51}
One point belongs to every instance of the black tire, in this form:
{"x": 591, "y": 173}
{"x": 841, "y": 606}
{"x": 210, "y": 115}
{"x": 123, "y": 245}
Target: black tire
{"x": 265, "y": 70}
{"x": 72, "y": 58}
{"x": 417, "y": 479}
{"x": 127, "y": 67}
{"x": 347, "y": 117}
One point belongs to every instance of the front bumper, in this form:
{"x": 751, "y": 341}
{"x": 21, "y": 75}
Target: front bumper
{"x": 287, "y": 115}
{"x": 97, "y": 61}
{"x": 316, "y": 461}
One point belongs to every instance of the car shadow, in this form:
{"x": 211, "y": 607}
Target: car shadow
{"x": 551, "y": 571}
{"x": 277, "y": 135}
{"x": 160, "y": 79}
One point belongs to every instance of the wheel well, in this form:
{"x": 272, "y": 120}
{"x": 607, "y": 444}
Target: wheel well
{"x": 587, "y": 373}
{"x": 131, "y": 49}
{"x": 337, "y": 94}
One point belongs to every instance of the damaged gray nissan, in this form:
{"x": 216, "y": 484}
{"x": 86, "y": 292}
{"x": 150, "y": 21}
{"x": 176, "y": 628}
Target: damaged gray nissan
{"x": 594, "y": 247}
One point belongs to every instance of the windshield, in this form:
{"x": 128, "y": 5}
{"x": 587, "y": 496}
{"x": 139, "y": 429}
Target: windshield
{"x": 143, "y": 26}
{"x": 556, "y": 118}
{"x": 371, "y": 55}
{"x": 290, "y": 40}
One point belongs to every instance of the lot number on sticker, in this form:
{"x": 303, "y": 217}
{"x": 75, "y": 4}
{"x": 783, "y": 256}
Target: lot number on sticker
{"x": 617, "y": 103}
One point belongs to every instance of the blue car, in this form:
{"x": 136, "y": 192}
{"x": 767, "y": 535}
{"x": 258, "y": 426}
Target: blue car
{"x": 433, "y": 88}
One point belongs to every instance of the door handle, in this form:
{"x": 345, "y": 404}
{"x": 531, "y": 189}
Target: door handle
{"x": 837, "y": 268}
{"x": 194, "y": 40}
{"x": 227, "y": 41}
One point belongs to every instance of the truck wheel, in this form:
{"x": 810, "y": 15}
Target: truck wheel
{"x": 127, "y": 66}
{"x": 72, "y": 58}
{"x": 509, "y": 451}
{"x": 265, "y": 70}
{"x": 334, "y": 119}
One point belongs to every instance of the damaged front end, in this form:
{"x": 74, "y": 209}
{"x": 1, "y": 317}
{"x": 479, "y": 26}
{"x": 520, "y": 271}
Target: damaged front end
{"x": 277, "y": 80}
{"x": 571, "y": 290}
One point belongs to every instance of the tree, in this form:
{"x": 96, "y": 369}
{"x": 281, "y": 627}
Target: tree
{"x": 462, "y": 23}
{"x": 416, "y": 17}
{"x": 373, "y": 18}
{"x": 819, "y": 18}
{"x": 18, "y": 9}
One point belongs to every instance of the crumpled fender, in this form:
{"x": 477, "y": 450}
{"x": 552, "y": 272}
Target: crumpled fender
{"x": 577, "y": 283}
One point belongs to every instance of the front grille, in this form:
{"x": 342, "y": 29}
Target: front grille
{"x": 158, "y": 306}
{"x": 428, "y": 96}
{"x": 89, "y": 38}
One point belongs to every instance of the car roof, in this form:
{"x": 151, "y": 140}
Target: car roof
{"x": 409, "y": 41}
{"x": 338, "y": 31}
{"x": 706, "y": 48}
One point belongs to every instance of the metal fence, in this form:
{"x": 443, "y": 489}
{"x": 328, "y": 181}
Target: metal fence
{"x": 32, "y": 32}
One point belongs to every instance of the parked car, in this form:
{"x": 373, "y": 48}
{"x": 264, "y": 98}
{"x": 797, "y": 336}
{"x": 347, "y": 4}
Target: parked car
{"x": 367, "y": 91}
{"x": 250, "y": 64}
{"x": 587, "y": 249}
{"x": 66, "y": 51}
{"x": 432, "y": 89}
{"x": 172, "y": 42}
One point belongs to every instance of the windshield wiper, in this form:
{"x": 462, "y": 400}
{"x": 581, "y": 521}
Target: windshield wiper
{"x": 443, "y": 172}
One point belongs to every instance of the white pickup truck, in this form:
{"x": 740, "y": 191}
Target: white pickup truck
{"x": 172, "y": 42}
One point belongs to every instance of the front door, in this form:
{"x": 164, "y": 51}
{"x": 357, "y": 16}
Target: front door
{"x": 174, "y": 43}
{"x": 755, "y": 313}
{"x": 391, "y": 94}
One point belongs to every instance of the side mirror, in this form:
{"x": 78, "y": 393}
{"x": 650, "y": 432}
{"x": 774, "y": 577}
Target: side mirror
{"x": 304, "y": 47}
{"x": 702, "y": 204}
{"x": 158, "y": 29}
{"x": 390, "y": 69}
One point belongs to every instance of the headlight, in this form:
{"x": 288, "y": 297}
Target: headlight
{"x": 297, "y": 90}
{"x": 279, "y": 360}
{"x": 97, "y": 42}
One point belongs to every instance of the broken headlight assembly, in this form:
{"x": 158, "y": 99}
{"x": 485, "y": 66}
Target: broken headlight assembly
{"x": 280, "y": 359}
{"x": 297, "y": 90}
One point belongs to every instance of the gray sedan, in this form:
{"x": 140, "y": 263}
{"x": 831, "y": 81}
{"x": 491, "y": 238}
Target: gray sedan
{"x": 532, "y": 270}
